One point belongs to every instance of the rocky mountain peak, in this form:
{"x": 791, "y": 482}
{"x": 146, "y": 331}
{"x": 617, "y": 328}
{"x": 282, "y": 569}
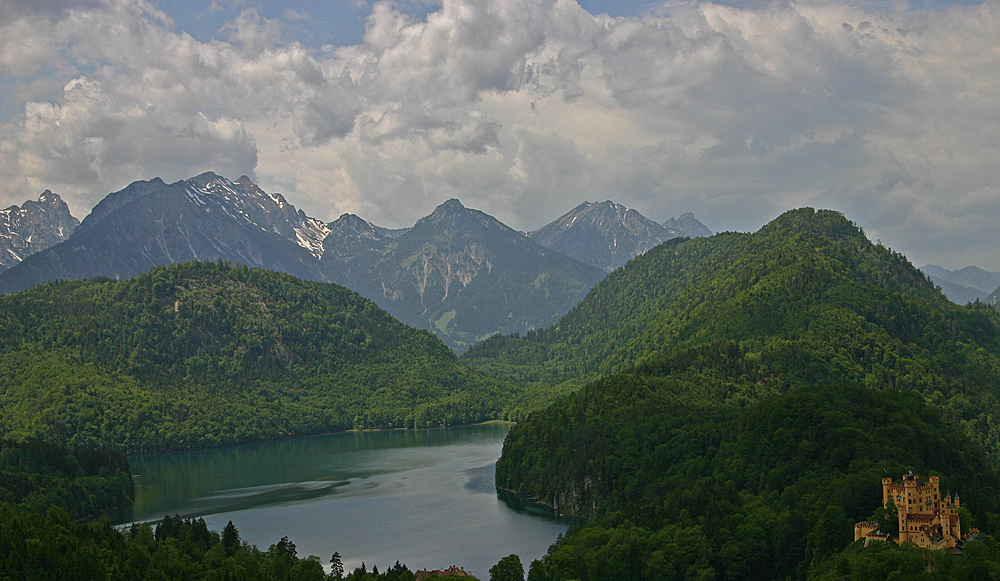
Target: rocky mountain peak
{"x": 206, "y": 217}
{"x": 33, "y": 226}
{"x": 459, "y": 272}
{"x": 688, "y": 225}
{"x": 349, "y": 221}
{"x": 205, "y": 179}
{"x": 603, "y": 234}
{"x": 455, "y": 219}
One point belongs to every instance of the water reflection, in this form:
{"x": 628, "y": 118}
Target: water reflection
{"x": 426, "y": 498}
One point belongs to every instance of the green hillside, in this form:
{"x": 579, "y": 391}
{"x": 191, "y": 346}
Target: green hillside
{"x": 678, "y": 489}
{"x": 207, "y": 354}
{"x": 806, "y": 300}
{"x": 595, "y": 337}
{"x": 754, "y": 390}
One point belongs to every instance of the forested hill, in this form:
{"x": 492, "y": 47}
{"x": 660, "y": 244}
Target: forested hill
{"x": 756, "y": 389}
{"x": 205, "y": 354}
{"x": 806, "y": 299}
{"x": 678, "y": 489}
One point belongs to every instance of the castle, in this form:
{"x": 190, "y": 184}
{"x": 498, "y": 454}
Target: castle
{"x": 926, "y": 519}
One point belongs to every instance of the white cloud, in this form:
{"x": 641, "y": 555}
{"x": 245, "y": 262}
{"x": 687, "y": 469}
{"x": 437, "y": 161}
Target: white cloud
{"x": 524, "y": 108}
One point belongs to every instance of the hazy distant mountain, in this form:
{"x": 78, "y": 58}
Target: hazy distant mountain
{"x": 152, "y": 223}
{"x": 689, "y": 225}
{"x": 993, "y": 298}
{"x": 32, "y": 227}
{"x": 459, "y": 272}
{"x": 965, "y": 284}
{"x": 603, "y": 234}
{"x": 970, "y": 276}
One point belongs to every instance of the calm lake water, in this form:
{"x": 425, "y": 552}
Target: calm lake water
{"x": 426, "y": 498}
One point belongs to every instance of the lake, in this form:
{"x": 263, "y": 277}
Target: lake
{"x": 425, "y": 498}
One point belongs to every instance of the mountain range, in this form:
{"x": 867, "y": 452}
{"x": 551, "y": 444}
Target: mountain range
{"x": 721, "y": 407}
{"x": 607, "y": 235}
{"x": 965, "y": 285}
{"x": 458, "y": 272}
{"x": 152, "y": 223}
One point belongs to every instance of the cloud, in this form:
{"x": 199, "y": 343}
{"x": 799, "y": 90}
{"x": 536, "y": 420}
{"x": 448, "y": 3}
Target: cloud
{"x": 93, "y": 138}
{"x": 524, "y": 108}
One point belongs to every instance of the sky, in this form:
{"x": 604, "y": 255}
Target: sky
{"x": 888, "y": 111}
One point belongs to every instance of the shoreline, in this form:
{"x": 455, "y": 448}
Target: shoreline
{"x": 319, "y": 435}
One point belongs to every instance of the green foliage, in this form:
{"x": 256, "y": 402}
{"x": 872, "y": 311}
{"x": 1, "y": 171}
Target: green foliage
{"x": 736, "y": 317}
{"x": 397, "y": 572}
{"x": 207, "y": 354}
{"x": 42, "y": 475}
{"x": 596, "y": 336}
{"x": 50, "y": 545}
{"x": 980, "y": 559}
{"x": 508, "y": 568}
{"x": 679, "y": 488}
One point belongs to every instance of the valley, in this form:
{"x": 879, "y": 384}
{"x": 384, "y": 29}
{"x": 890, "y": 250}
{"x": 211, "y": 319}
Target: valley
{"x": 738, "y": 394}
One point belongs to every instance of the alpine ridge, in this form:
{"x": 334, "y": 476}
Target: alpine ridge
{"x": 459, "y": 272}
{"x": 603, "y": 234}
{"x": 151, "y": 223}
{"x": 32, "y": 227}
{"x": 689, "y": 225}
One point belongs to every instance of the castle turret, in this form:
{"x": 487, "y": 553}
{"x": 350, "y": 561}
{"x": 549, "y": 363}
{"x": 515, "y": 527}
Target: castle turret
{"x": 925, "y": 517}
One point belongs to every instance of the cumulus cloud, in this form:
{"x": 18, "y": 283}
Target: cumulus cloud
{"x": 524, "y": 108}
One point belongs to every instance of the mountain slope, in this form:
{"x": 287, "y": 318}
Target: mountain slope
{"x": 957, "y": 293}
{"x": 604, "y": 234}
{"x": 807, "y": 299}
{"x": 754, "y": 406}
{"x": 970, "y": 276}
{"x": 964, "y": 285}
{"x": 678, "y": 489}
{"x": 459, "y": 272}
{"x": 32, "y": 227}
{"x": 205, "y": 218}
{"x": 205, "y": 354}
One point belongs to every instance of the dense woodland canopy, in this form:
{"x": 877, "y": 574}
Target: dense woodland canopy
{"x": 760, "y": 387}
{"x": 205, "y": 354}
{"x": 680, "y": 488}
{"x": 188, "y": 356}
{"x": 807, "y": 300}
{"x": 724, "y": 408}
